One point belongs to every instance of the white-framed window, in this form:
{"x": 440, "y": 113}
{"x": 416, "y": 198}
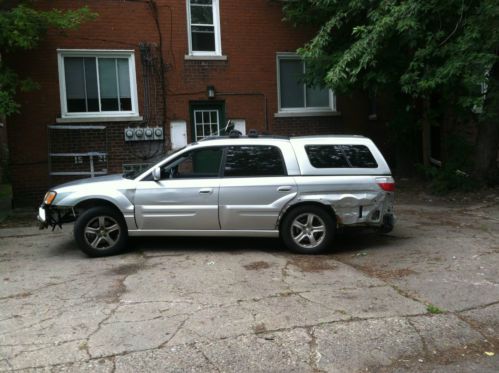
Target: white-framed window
{"x": 203, "y": 20}
{"x": 97, "y": 83}
{"x": 294, "y": 96}
{"x": 206, "y": 123}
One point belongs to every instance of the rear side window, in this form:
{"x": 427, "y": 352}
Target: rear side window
{"x": 244, "y": 161}
{"x": 340, "y": 156}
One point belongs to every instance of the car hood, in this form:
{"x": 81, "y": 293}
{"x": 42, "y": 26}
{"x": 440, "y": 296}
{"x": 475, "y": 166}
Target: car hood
{"x": 113, "y": 188}
{"x": 92, "y": 180}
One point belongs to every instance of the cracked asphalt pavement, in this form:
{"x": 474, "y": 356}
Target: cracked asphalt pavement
{"x": 247, "y": 305}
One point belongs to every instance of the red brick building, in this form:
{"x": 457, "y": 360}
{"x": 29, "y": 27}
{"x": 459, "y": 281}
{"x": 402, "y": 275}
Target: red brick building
{"x": 170, "y": 72}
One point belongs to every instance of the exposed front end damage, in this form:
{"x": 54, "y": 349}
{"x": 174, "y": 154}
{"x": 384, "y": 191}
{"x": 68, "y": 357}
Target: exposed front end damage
{"x": 54, "y": 216}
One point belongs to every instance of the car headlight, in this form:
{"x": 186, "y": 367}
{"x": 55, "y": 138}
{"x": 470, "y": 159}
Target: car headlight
{"x": 49, "y": 197}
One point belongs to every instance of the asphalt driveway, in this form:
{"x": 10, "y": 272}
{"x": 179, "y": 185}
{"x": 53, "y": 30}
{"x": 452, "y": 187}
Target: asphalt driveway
{"x": 423, "y": 298}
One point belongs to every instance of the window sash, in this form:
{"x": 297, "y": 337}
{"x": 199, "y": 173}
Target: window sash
{"x": 201, "y": 6}
{"x": 125, "y": 83}
{"x": 330, "y": 107}
{"x": 93, "y": 83}
{"x": 206, "y": 123}
{"x": 216, "y": 49}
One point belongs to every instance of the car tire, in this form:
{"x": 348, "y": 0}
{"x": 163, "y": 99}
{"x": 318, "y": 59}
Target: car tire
{"x": 101, "y": 231}
{"x": 308, "y": 230}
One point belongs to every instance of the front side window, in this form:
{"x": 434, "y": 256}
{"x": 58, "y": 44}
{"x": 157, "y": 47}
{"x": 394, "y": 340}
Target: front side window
{"x": 247, "y": 161}
{"x": 201, "y": 163}
{"x": 204, "y": 27}
{"x": 294, "y": 94}
{"x": 340, "y": 156}
{"x": 99, "y": 83}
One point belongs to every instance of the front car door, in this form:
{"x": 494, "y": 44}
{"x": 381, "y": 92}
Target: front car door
{"x": 186, "y": 197}
{"x": 254, "y": 188}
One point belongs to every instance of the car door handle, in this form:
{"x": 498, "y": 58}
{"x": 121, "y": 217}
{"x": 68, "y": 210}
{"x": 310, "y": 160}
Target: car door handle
{"x": 286, "y": 188}
{"x": 206, "y": 191}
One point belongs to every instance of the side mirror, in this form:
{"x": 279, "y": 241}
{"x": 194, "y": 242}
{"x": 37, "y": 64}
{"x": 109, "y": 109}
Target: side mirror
{"x": 156, "y": 174}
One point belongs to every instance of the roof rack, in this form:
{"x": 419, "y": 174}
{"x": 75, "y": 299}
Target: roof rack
{"x": 213, "y": 138}
{"x": 252, "y": 134}
{"x": 326, "y": 136}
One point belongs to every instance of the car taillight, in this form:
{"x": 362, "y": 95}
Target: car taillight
{"x": 386, "y": 183}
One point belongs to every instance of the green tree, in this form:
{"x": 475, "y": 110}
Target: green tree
{"x": 21, "y": 28}
{"x": 433, "y": 55}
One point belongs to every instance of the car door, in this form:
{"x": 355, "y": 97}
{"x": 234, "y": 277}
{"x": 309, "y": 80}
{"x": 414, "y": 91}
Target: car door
{"x": 254, "y": 188}
{"x": 186, "y": 197}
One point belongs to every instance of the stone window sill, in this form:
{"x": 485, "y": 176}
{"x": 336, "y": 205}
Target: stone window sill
{"x": 291, "y": 114}
{"x": 100, "y": 119}
{"x": 189, "y": 57}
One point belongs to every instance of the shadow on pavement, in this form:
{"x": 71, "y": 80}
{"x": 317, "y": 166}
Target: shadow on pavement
{"x": 234, "y": 245}
{"x": 351, "y": 240}
{"x": 358, "y": 239}
{"x": 346, "y": 241}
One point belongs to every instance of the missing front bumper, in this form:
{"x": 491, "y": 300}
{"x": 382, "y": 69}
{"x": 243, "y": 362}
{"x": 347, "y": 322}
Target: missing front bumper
{"x": 54, "y": 216}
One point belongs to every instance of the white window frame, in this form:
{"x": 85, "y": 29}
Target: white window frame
{"x": 99, "y": 53}
{"x": 326, "y": 110}
{"x": 198, "y": 137}
{"x": 216, "y": 25}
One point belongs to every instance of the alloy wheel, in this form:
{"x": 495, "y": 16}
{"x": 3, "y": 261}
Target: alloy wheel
{"x": 102, "y": 232}
{"x": 308, "y": 230}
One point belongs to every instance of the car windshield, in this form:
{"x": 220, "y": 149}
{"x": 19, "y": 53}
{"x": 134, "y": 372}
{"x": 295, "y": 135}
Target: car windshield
{"x": 135, "y": 173}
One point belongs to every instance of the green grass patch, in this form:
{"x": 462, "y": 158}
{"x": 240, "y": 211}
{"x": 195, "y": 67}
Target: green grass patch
{"x": 5, "y": 190}
{"x": 433, "y": 309}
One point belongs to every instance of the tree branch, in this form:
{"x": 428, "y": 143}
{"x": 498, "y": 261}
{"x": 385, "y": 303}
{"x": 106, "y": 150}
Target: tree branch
{"x": 455, "y": 28}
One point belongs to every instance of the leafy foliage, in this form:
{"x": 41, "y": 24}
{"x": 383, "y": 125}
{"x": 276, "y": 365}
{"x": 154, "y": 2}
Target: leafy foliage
{"x": 439, "y": 58}
{"x": 418, "y": 47}
{"x": 22, "y": 28}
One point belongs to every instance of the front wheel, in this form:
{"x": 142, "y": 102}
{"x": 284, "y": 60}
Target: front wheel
{"x": 307, "y": 230}
{"x": 101, "y": 231}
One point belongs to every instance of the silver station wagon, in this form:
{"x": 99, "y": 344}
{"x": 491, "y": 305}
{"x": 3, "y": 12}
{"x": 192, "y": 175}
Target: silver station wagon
{"x": 300, "y": 189}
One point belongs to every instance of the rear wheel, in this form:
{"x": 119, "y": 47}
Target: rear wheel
{"x": 307, "y": 230}
{"x": 101, "y": 231}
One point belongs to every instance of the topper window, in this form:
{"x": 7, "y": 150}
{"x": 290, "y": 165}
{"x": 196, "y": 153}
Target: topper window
{"x": 97, "y": 84}
{"x": 204, "y": 27}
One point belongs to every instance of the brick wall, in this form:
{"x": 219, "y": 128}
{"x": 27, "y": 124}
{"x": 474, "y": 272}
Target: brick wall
{"x": 252, "y": 34}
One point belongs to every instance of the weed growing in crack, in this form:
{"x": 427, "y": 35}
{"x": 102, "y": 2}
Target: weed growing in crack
{"x": 433, "y": 309}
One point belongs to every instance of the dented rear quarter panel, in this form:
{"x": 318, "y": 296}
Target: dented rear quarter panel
{"x": 346, "y": 195}
{"x": 352, "y": 193}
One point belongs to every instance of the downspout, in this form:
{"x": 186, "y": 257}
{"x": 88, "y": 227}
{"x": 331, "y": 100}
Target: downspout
{"x": 154, "y": 11}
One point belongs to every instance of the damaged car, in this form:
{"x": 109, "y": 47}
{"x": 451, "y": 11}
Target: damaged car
{"x": 301, "y": 189}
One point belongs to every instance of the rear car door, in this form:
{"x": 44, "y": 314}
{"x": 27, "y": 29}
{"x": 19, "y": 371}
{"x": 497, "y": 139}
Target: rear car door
{"x": 254, "y": 188}
{"x": 186, "y": 197}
